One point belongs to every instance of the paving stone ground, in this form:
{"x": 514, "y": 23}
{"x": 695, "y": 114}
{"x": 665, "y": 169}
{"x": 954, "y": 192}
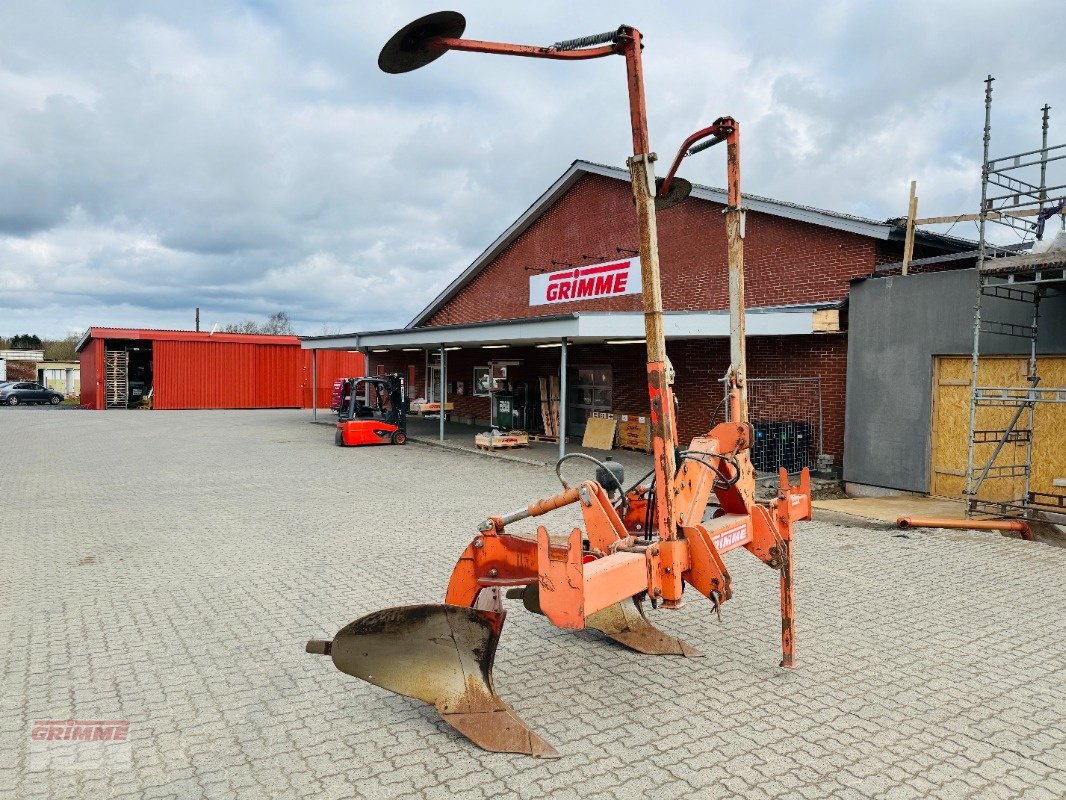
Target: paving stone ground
{"x": 168, "y": 567}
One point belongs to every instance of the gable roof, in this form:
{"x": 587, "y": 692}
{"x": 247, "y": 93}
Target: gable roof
{"x": 763, "y": 205}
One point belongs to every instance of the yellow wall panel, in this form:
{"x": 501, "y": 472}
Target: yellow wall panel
{"x": 951, "y": 417}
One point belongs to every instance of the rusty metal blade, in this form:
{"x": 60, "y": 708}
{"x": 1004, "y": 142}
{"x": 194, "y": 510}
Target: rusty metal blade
{"x": 442, "y": 655}
{"x": 679, "y": 190}
{"x": 407, "y": 51}
{"x": 626, "y": 624}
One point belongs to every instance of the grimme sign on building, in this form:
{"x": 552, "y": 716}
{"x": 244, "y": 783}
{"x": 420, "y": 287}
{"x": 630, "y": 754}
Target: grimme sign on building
{"x": 585, "y": 283}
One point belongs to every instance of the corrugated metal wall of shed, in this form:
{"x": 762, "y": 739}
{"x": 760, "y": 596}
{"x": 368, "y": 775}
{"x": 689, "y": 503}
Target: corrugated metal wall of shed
{"x": 225, "y": 375}
{"x": 92, "y": 375}
{"x": 332, "y": 364}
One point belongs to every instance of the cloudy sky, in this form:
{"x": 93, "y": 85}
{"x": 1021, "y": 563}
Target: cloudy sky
{"x": 249, "y": 157}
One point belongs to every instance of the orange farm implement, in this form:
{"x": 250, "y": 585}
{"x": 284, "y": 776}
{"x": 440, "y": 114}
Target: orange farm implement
{"x": 646, "y": 542}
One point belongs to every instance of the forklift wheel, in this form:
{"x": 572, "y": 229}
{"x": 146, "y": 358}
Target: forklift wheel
{"x": 339, "y": 438}
{"x": 399, "y": 437}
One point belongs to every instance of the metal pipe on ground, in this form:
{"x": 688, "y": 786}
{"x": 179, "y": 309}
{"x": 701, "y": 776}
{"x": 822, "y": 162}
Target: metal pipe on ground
{"x": 1016, "y": 525}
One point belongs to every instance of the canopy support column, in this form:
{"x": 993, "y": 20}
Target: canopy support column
{"x": 443, "y": 388}
{"x": 562, "y": 398}
{"x": 314, "y": 384}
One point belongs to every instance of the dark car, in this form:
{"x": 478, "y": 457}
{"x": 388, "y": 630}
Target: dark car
{"x": 16, "y": 394}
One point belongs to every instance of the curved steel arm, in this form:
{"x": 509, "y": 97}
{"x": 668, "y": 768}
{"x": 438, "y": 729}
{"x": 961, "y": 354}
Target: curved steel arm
{"x": 528, "y": 50}
{"x": 724, "y": 129}
{"x": 627, "y": 44}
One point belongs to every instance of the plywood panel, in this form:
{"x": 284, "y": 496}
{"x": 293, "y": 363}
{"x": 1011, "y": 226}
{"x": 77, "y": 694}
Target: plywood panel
{"x": 599, "y": 433}
{"x": 951, "y": 410}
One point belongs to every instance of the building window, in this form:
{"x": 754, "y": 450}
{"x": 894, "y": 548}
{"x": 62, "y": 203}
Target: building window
{"x": 482, "y": 381}
{"x": 589, "y": 394}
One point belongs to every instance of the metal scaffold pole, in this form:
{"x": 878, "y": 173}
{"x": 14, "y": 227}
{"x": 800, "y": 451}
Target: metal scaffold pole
{"x": 1001, "y": 449}
{"x": 970, "y": 488}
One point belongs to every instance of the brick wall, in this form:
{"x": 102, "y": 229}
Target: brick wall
{"x": 786, "y": 262}
{"x": 699, "y": 365}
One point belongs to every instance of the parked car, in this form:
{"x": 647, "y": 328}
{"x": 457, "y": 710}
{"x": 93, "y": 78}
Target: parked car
{"x": 14, "y": 394}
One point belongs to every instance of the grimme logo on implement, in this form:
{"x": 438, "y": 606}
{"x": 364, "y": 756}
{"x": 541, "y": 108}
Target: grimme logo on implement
{"x": 586, "y": 283}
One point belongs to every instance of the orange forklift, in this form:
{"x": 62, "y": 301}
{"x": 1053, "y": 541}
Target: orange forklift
{"x": 373, "y": 411}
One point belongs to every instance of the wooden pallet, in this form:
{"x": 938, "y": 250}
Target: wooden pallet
{"x": 430, "y": 409}
{"x": 483, "y": 441}
{"x": 543, "y": 437}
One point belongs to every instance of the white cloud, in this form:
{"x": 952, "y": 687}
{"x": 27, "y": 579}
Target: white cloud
{"x": 248, "y": 158}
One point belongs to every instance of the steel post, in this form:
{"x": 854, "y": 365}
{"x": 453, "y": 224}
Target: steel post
{"x": 971, "y": 489}
{"x": 734, "y": 228}
{"x": 562, "y": 397}
{"x": 663, "y": 429}
{"x": 443, "y": 387}
{"x": 314, "y": 383}
{"x": 1043, "y": 156}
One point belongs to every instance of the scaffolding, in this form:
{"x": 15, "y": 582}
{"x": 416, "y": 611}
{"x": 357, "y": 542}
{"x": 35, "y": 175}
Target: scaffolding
{"x": 999, "y": 462}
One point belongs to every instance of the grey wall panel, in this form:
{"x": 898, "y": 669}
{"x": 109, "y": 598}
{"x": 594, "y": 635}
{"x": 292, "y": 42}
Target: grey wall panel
{"x": 896, "y": 326}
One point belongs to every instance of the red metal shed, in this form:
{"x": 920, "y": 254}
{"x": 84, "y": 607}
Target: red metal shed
{"x": 121, "y": 367}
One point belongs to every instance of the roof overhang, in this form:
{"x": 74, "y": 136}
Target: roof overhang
{"x": 154, "y": 335}
{"x": 577, "y": 328}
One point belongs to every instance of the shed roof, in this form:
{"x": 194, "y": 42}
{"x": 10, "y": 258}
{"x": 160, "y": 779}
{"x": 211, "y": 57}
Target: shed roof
{"x": 150, "y": 334}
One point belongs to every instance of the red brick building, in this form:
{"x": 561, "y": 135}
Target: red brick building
{"x": 508, "y": 306}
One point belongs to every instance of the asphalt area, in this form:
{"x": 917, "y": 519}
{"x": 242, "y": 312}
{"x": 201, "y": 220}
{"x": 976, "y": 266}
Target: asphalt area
{"x": 162, "y": 572}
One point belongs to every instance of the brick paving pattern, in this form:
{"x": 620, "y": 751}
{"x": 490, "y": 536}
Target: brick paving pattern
{"x": 168, "y": 567}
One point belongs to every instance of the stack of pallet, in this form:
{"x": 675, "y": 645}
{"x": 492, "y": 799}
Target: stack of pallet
{"x": 116, "y": 370}
{"x": 549, "y": 406}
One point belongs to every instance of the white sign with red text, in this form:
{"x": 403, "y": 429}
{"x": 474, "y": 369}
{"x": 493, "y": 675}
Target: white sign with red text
{"x": 612, "y": 279}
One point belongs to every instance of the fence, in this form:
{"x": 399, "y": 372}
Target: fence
{"x": 786, "y": 414}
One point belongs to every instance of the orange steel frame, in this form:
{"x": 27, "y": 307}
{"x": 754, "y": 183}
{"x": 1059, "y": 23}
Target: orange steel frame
{"x": 609, "y": 562}
{"x": 576, "y": 579}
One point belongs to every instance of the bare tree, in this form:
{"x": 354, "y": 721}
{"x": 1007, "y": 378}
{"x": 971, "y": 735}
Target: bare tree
{"x": 278, "y": 324}
{"x": 244, "y": 326}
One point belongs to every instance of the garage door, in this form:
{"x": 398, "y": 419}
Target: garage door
{"x": 951, "y": 419}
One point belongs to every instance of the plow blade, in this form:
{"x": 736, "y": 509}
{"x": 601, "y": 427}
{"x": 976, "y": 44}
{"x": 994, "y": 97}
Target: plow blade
{"x": 626, "y": 624}
{"x": 442, "y": 655}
